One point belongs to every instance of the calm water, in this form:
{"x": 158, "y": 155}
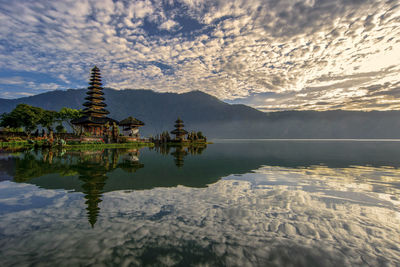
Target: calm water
{"x": 234, "y": 203}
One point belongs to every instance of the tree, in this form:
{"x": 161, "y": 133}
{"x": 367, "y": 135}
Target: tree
{"x": 23, "y": 116}
{"x": 9, "y": 120}
{"x": 60, "y": 128}
{"x": 68, "y": 114}
{"x": 47, "y": 119}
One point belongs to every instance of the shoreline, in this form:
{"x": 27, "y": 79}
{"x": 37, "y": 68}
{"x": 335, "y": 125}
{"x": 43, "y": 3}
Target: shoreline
{"x": 40, "y": 144}
{"x": 307, "y": 140}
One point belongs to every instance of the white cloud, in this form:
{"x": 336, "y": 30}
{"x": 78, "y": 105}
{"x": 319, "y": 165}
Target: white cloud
{"x": 140, "y": 9}
{"x": 169, "y": 25}
{"x": 44, "y": 86}
{"x": 16, "y": 80}
{"x": 63, "y": 78}
{"x": 23, "y": 94}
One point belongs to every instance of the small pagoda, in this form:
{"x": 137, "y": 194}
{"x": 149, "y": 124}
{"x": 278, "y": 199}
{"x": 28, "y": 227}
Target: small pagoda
{"x": 179, "y": 132}
{"x": 95, "y": 118}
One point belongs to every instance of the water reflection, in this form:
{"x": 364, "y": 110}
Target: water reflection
{"x": 180, "y": 151}
{"x": 276, "y": 216}
{"x": 92, "y": 168}
{"x": 263, "y": 204}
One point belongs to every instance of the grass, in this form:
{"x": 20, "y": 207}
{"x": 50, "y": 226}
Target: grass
{"x": 14, "y": 143}
{"x": 114, "y": 145}
{"x": 25, "y": 143}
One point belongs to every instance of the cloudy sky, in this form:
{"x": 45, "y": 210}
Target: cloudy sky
{"x": 270, "y": 54}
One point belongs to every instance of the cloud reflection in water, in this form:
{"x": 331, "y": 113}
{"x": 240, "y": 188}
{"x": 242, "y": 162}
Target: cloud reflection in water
{"x": 279, "y": 216}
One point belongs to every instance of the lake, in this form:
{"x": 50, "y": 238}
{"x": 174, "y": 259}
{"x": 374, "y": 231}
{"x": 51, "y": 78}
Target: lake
{"x": 232, "y": 203}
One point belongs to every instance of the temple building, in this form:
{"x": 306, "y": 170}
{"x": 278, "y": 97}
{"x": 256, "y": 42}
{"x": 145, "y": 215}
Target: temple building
{"x": 179, "y": 132}
{"x": 95, "y": 118}
{"x": 130, "y": 127}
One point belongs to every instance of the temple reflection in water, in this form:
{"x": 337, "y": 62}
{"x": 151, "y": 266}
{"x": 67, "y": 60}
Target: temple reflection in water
{"x": 254, "y": 203}
{"x": 180, "y": 152}
{"x": 91, "y": 167}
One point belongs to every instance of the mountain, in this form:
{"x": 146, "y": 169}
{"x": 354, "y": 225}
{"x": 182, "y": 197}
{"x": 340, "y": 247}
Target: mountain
{"x": 217, "y": 119}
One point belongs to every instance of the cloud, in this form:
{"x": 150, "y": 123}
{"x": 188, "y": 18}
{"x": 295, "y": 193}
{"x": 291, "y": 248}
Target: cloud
{"x": 168, "y": 25}
{"x": 63, "y": 78}
{"x": 230, "y": 49}
{"x": 18, "y": 86}
{"x": 12, "y": 80}
{"x": 24, "y": 94}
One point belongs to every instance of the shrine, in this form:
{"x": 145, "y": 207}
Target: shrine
{"x": 179, "y": 132}
{"x": 130, "y": 127}
{"x": 95, "y": 120}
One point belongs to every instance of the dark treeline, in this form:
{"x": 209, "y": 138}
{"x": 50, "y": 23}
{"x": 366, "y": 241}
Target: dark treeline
{"x": 26, "y": 118}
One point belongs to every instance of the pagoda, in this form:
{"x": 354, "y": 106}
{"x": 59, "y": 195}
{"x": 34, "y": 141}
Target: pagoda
{"x": 179, "y": 132}
{"x": 95, "y": 116}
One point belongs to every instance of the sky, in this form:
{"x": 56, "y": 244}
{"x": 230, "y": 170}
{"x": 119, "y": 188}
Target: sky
{"x": 270, "y": 54}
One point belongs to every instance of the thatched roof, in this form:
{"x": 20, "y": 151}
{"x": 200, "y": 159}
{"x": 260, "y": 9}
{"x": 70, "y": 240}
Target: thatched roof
{"x": 179, "y": 131}
{"x": 90, "y": 98}
{"x": 94, "y": 91}
{"x": 89, "y": 104}
{"x": 131, "y": 121}
{"x": 95, "y": 120}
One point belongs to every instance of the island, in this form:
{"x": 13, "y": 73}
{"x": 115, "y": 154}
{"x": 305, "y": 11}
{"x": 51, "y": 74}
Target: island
{"x": 91, "y": 126}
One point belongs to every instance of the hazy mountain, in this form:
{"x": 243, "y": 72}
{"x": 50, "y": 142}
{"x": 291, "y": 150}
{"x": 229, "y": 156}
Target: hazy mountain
{"x": 215, "y": 118}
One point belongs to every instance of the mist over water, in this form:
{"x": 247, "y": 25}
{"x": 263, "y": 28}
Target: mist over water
{"x": 235, "y": 203}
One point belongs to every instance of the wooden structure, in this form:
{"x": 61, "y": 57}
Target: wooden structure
{"x": 130, "y": 127}
{"x": 179, "y": 132}
{"x": 95, "y": 115}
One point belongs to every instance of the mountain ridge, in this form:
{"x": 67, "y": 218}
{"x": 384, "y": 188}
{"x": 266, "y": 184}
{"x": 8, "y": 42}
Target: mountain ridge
{"x": 217, "y": 119}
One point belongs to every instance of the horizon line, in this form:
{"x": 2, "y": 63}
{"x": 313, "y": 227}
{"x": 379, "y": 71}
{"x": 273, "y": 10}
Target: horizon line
{"x": 310, "y": 139}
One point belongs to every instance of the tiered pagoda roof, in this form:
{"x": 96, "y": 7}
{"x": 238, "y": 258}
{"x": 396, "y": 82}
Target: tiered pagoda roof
{"x": 95, "y": 105}
{"x": 93, "y": 120}
{"x": 95, "y": 112}
{"x": 179, "y": 131}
